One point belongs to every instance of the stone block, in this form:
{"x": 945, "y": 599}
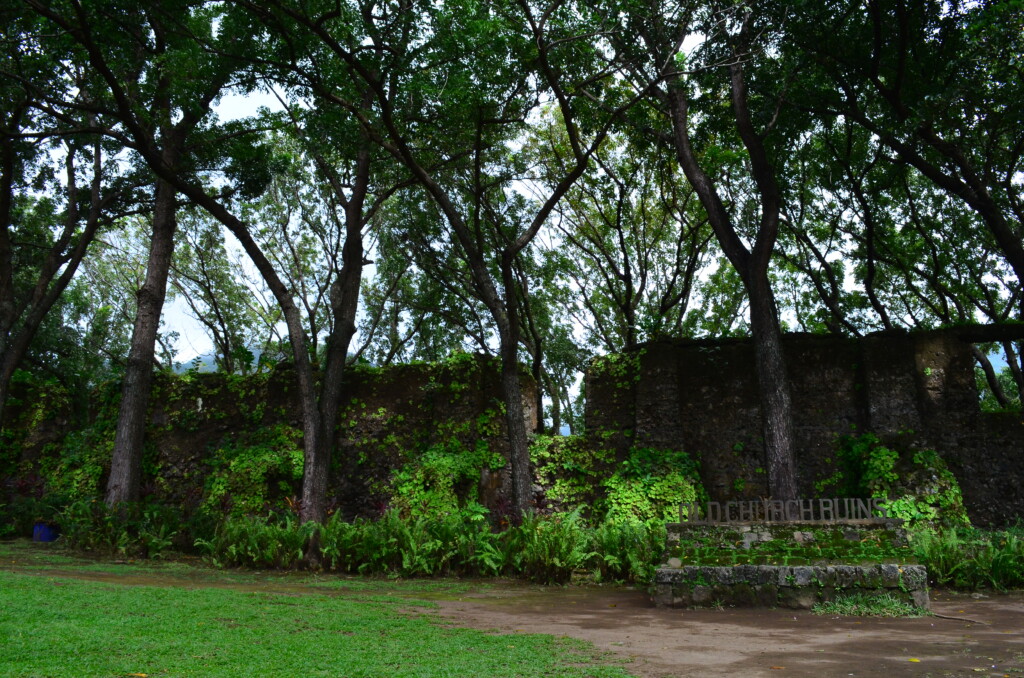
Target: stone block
{"x": 786, "y": 586}
{"x": 701, "y": 594}
{"x": 892, "y": 575}
{"x": 915, "y": 577}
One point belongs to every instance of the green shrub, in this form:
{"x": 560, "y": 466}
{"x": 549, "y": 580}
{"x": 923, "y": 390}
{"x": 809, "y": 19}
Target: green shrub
{"x": 75, "y": 473}
{"x": 649, "y": 484}
{"x": 248, "y": 473}
{"x": 135, "y": 529}
{"x": 18, "y": 517}
{"x": 548, "y": 549}
{"x": 970, "y": 558}
{"x": 917, "y": 484}
{"x": 275, "y": 542}
{"x": 628, "y": 550}
{"x": 571, "y": 470}
{"x": 544, "y": 549}
{"x": 444, "y": 479}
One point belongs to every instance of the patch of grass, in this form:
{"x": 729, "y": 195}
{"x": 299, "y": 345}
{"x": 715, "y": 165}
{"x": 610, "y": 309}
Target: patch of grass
{"x": 53, "y": 626}
{"x": 56, "y": 560}
{"x": 865, "y": 605}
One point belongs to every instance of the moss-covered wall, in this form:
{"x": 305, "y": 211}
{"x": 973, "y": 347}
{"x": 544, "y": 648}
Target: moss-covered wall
{"x": 234, "y": 443}
{"x": 701, "y": 396}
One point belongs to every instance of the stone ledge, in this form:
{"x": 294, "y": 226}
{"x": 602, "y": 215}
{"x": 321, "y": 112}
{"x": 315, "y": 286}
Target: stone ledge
{"x": 786, "y": 586}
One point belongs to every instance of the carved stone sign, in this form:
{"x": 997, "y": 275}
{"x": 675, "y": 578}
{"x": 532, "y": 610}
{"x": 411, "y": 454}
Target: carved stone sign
{"x": 835, "y": 510}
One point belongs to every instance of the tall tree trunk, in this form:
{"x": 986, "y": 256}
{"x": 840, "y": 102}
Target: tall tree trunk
{"x": 773, "y": 385}
{"x": 752, "y": 265}
{"x": 1013, "y": 362}
{"x": 126, "y": 463}
{"x": 508, "y": 325}
{"x": 20, "y": 322}
{"x": 512, "y": 393}
{"x": 7, "y": 305}
{"x": 556, "y": 404}
{"x": 344, "y": 298}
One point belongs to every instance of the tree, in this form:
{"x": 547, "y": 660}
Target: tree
{"x": 154, "y": 86}
{"x": 450, "y": 118}
{"x": 932, "y": 81}
{"x": 737, "y": 60}
{"x": 44, "y": 239}
{"x": 221, "y": 297}
{"x": 630, "y": 239}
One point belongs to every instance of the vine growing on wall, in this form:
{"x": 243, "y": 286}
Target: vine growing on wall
{"x": 919, "y": 487}
{"x": 648, "y": 485}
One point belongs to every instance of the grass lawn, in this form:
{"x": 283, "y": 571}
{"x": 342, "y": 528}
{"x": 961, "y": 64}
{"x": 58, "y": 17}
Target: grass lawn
{"x": 58, "y": 618}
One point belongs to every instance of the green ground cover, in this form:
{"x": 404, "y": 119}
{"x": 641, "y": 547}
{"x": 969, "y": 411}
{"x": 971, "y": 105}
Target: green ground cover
{"x": 201, "y": 622}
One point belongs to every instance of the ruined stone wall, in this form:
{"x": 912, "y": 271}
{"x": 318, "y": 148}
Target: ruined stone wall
{"x": 388, "y": 416}
{"x": 701, "y": 396}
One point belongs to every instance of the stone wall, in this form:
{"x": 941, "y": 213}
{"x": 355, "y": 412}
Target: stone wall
{"x": 388, "y": 415}
{"x": 798, "y": 587}
{"x": 701, "y": 396}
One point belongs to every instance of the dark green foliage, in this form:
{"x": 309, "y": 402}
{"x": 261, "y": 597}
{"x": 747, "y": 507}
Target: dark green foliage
{"x": 443, "y": 479}
{"x": 648, "y": 485}
{"x": 969, "y": 558}
{"x": 253, "y": 542}
{"x": 988, "y": 402}
{"x": 919, "y": 487}
{"x": 126, "y": 529}
{"x": 545, "y": 549}
{"x": 628, "y": 550}
{"x": 250, "y": 471}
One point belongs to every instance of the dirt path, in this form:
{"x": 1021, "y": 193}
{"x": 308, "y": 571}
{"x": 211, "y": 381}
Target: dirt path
{"x": 741, "y": 643}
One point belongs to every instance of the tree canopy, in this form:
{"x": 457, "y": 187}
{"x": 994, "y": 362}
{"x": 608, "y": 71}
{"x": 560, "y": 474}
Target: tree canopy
{"x": 541, "y": 180}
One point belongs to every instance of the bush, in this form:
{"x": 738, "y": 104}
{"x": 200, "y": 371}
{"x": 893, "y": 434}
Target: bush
{"x": 548, "y": 549}
{"x": 248, "y": 473}
{"x": 275, "y": 542}
{"x": 649, "y": 484}
{"x": 444, "y": 479}
{"x": 628, "y": 550}
{"x": 970, "y": 558}
{"x": 544, "y": 549}
{"x": 136, "y": 529}
{"x": 918, "y": 486}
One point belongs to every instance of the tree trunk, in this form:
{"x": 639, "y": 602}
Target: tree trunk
{"x": 7, "y": 306}
{"x": 773, "y": 385}
{"x": 519, "y": 444}
{"x": 344, "y": 297}
{"x": 773, "y": 381}
{"x": 556, "y": 405}
{"x": 1013, "y": 362}
{"x": 126, "y": 463}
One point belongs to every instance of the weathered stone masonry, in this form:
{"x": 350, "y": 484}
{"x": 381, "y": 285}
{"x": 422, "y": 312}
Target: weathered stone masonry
{"x": 701, "y": 396}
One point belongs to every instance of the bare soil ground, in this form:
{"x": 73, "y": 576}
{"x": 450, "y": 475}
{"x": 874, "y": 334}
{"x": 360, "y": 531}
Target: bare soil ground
{"x": 736, "y": 642}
